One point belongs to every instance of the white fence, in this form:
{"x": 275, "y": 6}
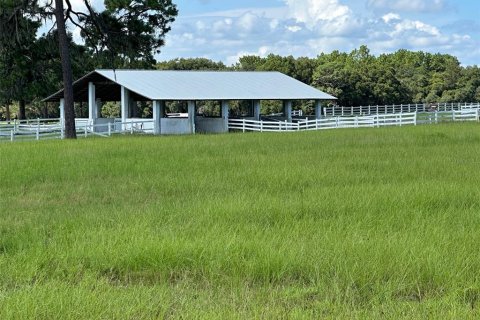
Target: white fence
{"x": 30, "y": 129}
{"x": 398, "y": 108}
{"x": 377, "y": 120}
{"x": 448, "y": 116}
{"x": 380, "y": 120}
{"x": 297, "y": 113}
{"x": 41, "y": 129}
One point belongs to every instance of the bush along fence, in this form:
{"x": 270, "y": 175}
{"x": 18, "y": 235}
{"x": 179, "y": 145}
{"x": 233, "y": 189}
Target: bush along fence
{"x": 41, "y": 129}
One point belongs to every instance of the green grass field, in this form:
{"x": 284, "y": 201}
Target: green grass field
{"x": 362, "y": 223}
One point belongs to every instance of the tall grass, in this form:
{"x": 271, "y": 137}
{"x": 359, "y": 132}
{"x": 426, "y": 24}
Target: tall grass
{"x": 346, "y": 223}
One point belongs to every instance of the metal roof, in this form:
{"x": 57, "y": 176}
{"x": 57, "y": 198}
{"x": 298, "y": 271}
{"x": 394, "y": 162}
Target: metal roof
{"x": 204, "y": 85}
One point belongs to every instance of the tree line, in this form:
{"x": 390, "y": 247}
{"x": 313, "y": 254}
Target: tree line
{"x": 360, "y": 78}
{"x": 130, "y": 33}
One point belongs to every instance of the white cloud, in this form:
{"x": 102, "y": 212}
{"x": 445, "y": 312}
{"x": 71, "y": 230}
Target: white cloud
{"x": 274, "y": 24}
{"x": 311, "y": 12}
{"x": 309, "y": 27}
{"x": 408, "y": 5}
{"x": 294, "y": 28}
{"x": 325, "y": 17}
{"x": 390, "y": 17}
{"x": 248, "y": 22}
{"x": 404, "y": 26}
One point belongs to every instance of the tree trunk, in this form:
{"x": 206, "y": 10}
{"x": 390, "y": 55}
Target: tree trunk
{"x": 21, "y": 110}
{"x": 7, "y": 112}
{"x": 45, "y": 110}
{"x": 70, "y": 132}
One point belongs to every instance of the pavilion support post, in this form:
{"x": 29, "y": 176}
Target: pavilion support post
{"x": 158, "y": 113}
{"x": 256, "y": 110}
{"x": 92, "y": 104}
{"x": 62, "y": 113}
{"x": 318, "y": 109}
{"x": 191, "y": 115}
{"x": 125, "y": 106}
{"x": 287, "y": 110}
{"x": 225, "y": 115}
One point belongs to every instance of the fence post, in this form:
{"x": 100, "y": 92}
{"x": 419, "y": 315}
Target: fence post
{"x": 316, "y": 123}
{"x": 109, "y": 129}
{"x": 86, "y": 124}
{"x": 243, "y": 127}
{"x": 37, "y": 136}
{"x": 62, "y": 133}
{"x": 261, "y": 126}
{"x": 356, "y": 122}
{"x": 15, "y": 125}
{"x": 12, "y": 135}
{"x": 369, "y": 112}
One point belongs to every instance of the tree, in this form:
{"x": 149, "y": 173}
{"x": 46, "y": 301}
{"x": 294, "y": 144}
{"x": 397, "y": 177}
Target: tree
{"x": 191, "y": 64}
{"x": 18, "y": 27}
{"x": 250, "y": 63}
{"x": 63, "y": 45}
{"x": 131, "y": 29}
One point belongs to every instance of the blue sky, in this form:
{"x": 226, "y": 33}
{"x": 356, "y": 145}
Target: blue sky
{"x": 227, "y": 29}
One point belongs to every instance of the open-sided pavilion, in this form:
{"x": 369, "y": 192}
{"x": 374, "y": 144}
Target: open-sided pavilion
{"x": 159, "y": 87}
